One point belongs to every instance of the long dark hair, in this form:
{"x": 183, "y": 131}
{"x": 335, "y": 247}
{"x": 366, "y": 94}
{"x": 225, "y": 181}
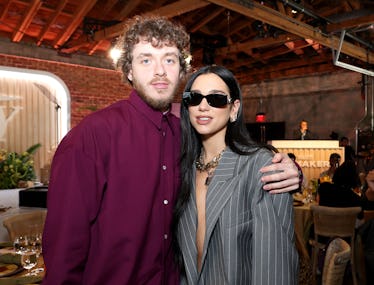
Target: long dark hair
{"x": 237, "y": 138}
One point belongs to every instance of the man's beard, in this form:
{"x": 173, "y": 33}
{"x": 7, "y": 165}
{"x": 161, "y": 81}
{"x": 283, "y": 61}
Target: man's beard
{"x": 158, "y": 104}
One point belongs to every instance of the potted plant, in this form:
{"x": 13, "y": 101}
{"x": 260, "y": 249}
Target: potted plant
{"x": 17, "y": 169}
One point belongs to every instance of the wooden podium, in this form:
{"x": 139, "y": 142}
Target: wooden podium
{"x": 312, "y": 155}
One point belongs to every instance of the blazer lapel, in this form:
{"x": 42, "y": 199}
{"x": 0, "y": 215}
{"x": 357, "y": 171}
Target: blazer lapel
{"x": 188, "y": 222}
{"x": 218, "y": 193}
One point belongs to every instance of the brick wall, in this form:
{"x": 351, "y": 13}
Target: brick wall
{"x": 90, "y": 88}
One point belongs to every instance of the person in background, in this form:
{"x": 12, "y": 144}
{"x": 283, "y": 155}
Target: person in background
{"x": 365, "y": 163}
{"x": 328, "y": 175}
{"x": 303, "y": 133}
{"x": 229, "y": 230}
{"x": 115, "y": 176}
{"x": 349, "y": 153}
{"x": 341, "y": 193}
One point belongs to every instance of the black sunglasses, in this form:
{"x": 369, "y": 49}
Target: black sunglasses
{"x": 214, "y": 100}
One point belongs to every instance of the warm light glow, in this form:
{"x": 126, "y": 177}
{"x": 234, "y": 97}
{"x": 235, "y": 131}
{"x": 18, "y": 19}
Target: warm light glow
{"x": 188, "y": 59}
{"x": 115, "y": 54}
{"x": 47, "y": 79}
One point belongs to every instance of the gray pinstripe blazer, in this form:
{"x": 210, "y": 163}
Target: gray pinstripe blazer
{"x": 249, "y": 232}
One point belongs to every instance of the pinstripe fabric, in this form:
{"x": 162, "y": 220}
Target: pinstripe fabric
{"x": 249, "y": 232}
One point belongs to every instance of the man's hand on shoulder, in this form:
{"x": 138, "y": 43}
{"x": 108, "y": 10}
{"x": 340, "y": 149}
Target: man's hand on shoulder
{"x": 285, "y": 179}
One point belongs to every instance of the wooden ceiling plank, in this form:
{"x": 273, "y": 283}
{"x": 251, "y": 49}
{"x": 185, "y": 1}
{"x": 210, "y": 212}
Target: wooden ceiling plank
{"x": 316, "y": 46}
{"x": 94, "y": 47}
{"x": 213, "y": 14}
{"x": 351, "y": 23}
{"x": 179, "y": 8}
{"x": 274, "y": 18}
{"x": 171, "y": 10}
{"x": 26, "y": 20}
{"x": 77, "y": 18}
{"x": 291, "y": 47}
{"x": 51, "y": 21}
{"x": 259, "y": 43}
{"x": 109, "y": 4}
{"x": 127, "y": 9}
{"x": 5, "y": 11}
{"x": 280, "y": 7}
{"x": 286, "y": 65}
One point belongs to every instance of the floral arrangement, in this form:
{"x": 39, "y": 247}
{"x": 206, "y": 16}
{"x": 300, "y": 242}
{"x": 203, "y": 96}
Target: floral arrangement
{"x": 16, "y": 169}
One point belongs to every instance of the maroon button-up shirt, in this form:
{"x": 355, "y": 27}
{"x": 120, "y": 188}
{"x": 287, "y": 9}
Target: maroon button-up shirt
{"x": 113, "y": 185}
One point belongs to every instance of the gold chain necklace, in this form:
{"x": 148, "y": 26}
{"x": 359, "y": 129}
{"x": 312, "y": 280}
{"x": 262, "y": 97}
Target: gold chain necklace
{"x": 209, "y": 167}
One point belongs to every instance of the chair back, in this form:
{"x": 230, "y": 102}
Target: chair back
{"x": 334, "y": 222}
{"x": 368, "y": 215}
{"x": 337, "y": 256}
{"x": 24, "y": 223}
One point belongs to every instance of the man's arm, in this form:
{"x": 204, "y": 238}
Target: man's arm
{"x": 285, "y": 179}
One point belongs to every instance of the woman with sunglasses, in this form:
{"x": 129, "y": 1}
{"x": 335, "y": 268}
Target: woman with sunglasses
{"x": 228, "y": 230}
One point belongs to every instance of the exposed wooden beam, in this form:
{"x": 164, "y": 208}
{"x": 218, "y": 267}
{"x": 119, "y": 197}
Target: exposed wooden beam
{"x": 289, "y": 68}
{"x": 127, "y": 9}
{"x": 276, "y": 19}
{"x": 109, "y": 4}
{"x": 245, "y": 47}
{"x": 27, "y": 18}
{"x": 213, "y": 14}
{"x": 171, "y": 10}
{"x": 5, "y": 10}
{"x": 50, "y": 22}
{"x": 81, "y": 11}
{"x": 351, "y": 23}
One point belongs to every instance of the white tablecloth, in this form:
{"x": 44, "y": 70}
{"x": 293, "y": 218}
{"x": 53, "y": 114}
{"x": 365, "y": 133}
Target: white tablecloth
{"x": 9, "y": 198}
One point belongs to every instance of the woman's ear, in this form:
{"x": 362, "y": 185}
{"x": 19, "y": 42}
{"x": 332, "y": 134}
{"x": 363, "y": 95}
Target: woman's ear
{"x": 234, "y": 110}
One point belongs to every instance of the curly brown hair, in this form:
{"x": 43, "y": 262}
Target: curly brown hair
{"x": 156, "y": 30}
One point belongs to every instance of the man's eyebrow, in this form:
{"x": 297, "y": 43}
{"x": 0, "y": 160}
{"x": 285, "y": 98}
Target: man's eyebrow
{"x": 145, "y": 54}
{"x": 171, "y": 53}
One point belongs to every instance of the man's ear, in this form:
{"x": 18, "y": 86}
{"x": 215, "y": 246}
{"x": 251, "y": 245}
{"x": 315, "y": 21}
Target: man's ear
{"x": 129, "y": 75}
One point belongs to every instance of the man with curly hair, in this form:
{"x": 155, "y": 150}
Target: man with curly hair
{"x": 115, "y": 176}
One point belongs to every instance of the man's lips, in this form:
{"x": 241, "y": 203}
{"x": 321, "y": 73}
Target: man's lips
{"x": 160, "y": 84}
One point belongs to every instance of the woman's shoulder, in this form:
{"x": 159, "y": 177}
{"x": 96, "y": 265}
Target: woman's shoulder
{"x": 255, "y": 157}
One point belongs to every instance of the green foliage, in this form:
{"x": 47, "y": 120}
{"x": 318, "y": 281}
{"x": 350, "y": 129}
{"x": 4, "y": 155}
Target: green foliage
{"x": 15, "y": 167}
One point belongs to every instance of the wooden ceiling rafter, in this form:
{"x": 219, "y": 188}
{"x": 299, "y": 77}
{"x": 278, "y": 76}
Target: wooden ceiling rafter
{"x": 26, "y": 21}
{"x": 301, "y": 29}
{"x": 51, "y": 21}
{"x": 206, "y": 19}
{"x": 176, "y": 8}
{"x": 77, "y": 18}
{"x": 109, "y": 4}
{"x": 5, "y": 10}
{"x": 127, "y": 9}
{"x": 302, "y": 66}
{"x": 247, "y": 35}
{"x": 259, "y": 43}
{"x": 351, "y": 23}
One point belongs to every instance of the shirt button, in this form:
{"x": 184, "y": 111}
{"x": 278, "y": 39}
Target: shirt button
{"x": 165, "y": 236}
{"x": 166, "y": 202}
{"x": 164, "y": 167}
{"x": 163, "y": 134}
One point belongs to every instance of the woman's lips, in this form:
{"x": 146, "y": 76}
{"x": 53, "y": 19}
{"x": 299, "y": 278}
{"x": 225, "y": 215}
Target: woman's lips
{"x": 203, "y": 120}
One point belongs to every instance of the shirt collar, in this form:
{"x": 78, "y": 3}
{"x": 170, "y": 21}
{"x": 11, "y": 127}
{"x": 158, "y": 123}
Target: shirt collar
{"x": 155, "y": 116}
